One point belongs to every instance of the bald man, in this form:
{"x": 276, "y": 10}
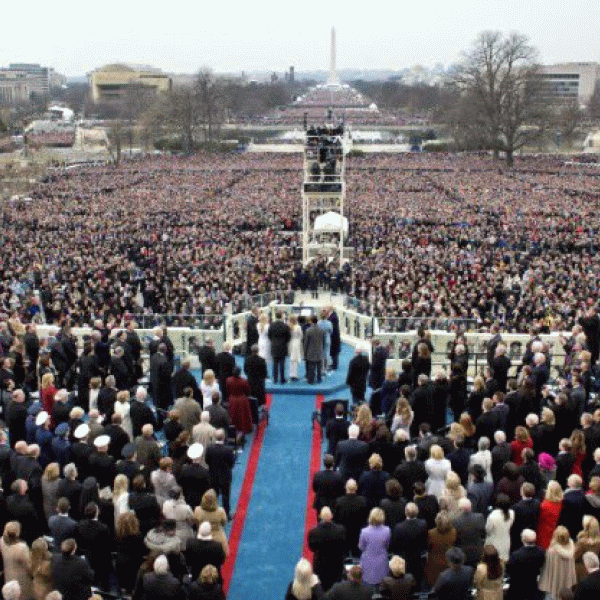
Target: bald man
{"x": 328, "y": 542}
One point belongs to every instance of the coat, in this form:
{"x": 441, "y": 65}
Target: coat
{"x": 559, "y": 569}
{"x": 328, "y": 543}
{"x": 523, "y": 568}
{"x": 437, "y": 545}
{"x": 255, "y": 368}
{"x": 470, "y": 535}
{"x": 497, "y": 528}
{"x": 217, "y": 519}
{"x": 436, "y": 480}
{"x": 487, "y": 589}
{"x": 17, "y": 565}
{"x": 548, "y": 520}
{"x": 160, "y": 380}
{"x": 358, "y": 372}
{"x": 313, "y": 344}
{"x": 279, "y": 335}
{"x": 73, "y": 577}
{"x": 238, "y": 390}
{"x": 373, "y": 544}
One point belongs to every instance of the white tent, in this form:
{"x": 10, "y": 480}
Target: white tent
{"x": 330, "y": 221}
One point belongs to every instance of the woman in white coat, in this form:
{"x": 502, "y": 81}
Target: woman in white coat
{"x": 264, "y": 344}
{"x": 295, "y": 348}
{"x": 483, "y": 457}
{"x": 437, "y": 468}
{"x": 497, "y": 526}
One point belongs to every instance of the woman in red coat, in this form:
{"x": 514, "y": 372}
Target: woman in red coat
{"x": 47, "y": 392}
{"x": 549, "y": 514}
{"x": 522, "y": 440}
{"x": 238, "y": 390}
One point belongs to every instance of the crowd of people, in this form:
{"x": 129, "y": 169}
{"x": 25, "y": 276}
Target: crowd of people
{"x": 503, "y": 500}
{"x": 107, "y": 484}
{"x": 444, "y": 236}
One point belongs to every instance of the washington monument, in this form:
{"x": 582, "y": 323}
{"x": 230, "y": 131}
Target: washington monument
{"x": 333, "y": 78}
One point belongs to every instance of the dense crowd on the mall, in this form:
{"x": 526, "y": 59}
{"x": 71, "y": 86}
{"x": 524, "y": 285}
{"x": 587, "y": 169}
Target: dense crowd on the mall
{"x": 432, "y": 483}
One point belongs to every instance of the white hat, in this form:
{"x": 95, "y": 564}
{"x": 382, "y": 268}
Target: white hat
{"x": 82, "y": 431}
{"x": 195, "y": 451}
{"x": 205, "y": 531}
{"x": 101, "y": 440}
{"x": 41, "y": 418}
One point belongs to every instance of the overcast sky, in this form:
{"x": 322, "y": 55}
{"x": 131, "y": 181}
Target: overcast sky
{"x": 181, "y": 36}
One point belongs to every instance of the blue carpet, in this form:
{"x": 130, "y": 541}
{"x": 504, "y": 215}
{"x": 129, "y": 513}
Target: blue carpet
{"x": 272, "y": 539}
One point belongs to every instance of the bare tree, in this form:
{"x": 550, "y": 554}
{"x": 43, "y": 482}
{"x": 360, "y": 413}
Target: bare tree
{"x": 499, "y": 75}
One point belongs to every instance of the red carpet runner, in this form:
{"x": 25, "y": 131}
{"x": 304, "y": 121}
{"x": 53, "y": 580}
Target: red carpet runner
{"x": 315, "y": 465}
{"x": 237, "y": 527}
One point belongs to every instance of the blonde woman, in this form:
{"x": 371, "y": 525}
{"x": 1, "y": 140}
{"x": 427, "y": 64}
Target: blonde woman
{"x": 120, "y": 496}
{"x": 588, "y": 540}
{"x": 437, "y": 468}
{"x": 452, "y": 493}
{"x": 558, "y": 571}
{"x": 41, "y": 568}
{"x": 373, "y": 544}
{"x": 210, "y": 511}
{"x": 306, "y": 585}
{"x": 364, "y": 420}
{"x": 295, "y": 348}
{"x": 403, "y": 417}
{"x": 16, "y": 558}
{"x": 264, "y": 345}
{"x": 122, "y": 408}
{"x": 549, "y": 514}
{"x": 47, "y": 392}
{"x": 208, "y": 387}
{"x": 50, "y": 481}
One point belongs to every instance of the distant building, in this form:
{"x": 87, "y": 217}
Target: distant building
{"x": 111, "y": 82}
{"x": 569, "y": 82}
{"x": 20, "y": 82}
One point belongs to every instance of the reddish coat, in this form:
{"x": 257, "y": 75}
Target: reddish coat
{"x": 549, "y": 515}
{"x": 47, "y": 399}
{"x": 516, "y": 448}
{"x": 238, "y": 390}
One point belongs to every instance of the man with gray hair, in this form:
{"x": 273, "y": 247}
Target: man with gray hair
{"x": 328, "y": 542}
{"x": 220, "y": 458}
{"x": 350, "y": 510}
{"x": 183, "y": 379}
{"x": 589, "y": 588}
{"x": 351, "y": 455}
{"x": 409, "y": 540}
{"x": 11, "y": 590}
{"x": 573, "y": 505}
{"x": 140, "y": 413}
{"x": 162, "y": 583}
{"x": 470, "y": 532}
{"x": 523, "y": 568}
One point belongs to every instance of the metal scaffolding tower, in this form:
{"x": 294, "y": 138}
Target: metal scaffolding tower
{"x": 324, "y": 226}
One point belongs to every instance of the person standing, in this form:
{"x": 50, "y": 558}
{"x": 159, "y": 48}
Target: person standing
{"x": 373, "y": 543}
{"x": 255, "y": 368}
{"x": 220, "y": 458}
{"x": 295, "y": 348}
{"x": 313, "y": 351}
{"x": 336, "y": 340}
{"x": 328, "y": 542}
{"x": 279, "y": 336}
{"x": 160, "y": 378}
{"x": 326, "y": 327}
{"x": 358, "y": 372}
{"x": 252, "y": 330}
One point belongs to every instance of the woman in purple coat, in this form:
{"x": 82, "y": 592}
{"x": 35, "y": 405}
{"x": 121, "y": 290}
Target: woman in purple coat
{"x": 373, "y": 544}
